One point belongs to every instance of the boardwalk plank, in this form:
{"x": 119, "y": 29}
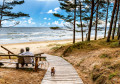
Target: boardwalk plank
{"x": 65, "y": 72}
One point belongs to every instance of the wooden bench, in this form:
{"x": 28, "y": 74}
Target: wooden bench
{"x": 36, "y": 56}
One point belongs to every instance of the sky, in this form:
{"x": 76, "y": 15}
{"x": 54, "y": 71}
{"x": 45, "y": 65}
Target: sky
{"x": 41, "y": 14}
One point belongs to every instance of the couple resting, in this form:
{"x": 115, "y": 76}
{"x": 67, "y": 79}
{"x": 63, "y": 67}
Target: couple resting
{"x": 26, "y": 60}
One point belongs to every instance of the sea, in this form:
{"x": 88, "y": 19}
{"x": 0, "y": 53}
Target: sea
{"x": 10, "y": 35}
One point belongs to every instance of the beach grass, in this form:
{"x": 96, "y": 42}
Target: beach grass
{"x": 96, "y": 61}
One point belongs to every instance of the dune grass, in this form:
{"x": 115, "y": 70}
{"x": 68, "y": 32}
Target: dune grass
{"x": 87, "y": 46}
{"x": 106, "y": 70}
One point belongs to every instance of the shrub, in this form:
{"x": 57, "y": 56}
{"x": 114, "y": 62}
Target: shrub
{"x": 114, "y": 44}
{"x": 55, "y": 48}
{"x": 104, "y": 56}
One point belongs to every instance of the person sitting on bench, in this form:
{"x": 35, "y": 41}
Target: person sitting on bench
{"x": 28, "y": 60}
{"x": 21, "y": 59}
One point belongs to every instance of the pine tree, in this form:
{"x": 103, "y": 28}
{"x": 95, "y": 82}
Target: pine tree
{"x": 111, "y": 23}
{"x": 7, "y": 14}
{"x": 70, "y": 9}
{"x": 106, "y": 18}
{"x": 115, "y": 21}
{"x": 91, "y": 19}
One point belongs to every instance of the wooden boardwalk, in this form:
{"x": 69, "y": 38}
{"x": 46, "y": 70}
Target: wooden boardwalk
{"x": 65, "y": 72}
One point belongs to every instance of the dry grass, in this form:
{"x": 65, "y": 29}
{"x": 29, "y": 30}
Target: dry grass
{"x": 97, "y": 62}
{"x": 12, "y": 76}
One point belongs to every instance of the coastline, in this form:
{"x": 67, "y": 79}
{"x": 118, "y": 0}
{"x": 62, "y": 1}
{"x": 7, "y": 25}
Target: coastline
{"x": 37, "y": 46}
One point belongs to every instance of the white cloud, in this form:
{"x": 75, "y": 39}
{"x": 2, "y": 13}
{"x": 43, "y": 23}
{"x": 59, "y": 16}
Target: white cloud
{"x": 54, "y": 11}
{"x": 60, "y": 19}
{"x": 30, "y": 20}
{"x": 49, "y": 18}
{"x": 45, "y": 18}
{"x": 49, "y": 23}
{"x": 52, "y": 24}
{"x": 23, "y": 18}
{"x": 46, "y": 0}
{"x": 22, "y": 23}
{"x": 51, "y": 11}
{"x": 57, "y": 23}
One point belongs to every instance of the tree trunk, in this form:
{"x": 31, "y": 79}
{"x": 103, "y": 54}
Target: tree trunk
{"x": 114, "y": 28}
{"x": 106, "y": 19}
{"x": 91, "y": 18}
{"x": 81, "y": 21}
{"x": 96, "y": 20}
{"x": 74, "y": 22}
{"x": 111, "y": 23}
{"x": 119, "y": 27}
{"x": 2, "y": 13}
{"x": 0, "y": 24}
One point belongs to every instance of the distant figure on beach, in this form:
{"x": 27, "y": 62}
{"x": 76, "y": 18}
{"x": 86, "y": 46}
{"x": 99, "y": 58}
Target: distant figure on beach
{"x": 21, "y": 59}
{"x": 28, "y": 60}
{"x": 52, "y": 71}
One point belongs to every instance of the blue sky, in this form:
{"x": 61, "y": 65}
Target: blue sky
{"x": 40, "y": 12}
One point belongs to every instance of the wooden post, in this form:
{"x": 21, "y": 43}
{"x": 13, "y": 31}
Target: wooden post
{"x": 9, "y": 54}
{"x": 36, "y": 64}
{"x": 40, "y": 57}
{"x": 17, "y": 66}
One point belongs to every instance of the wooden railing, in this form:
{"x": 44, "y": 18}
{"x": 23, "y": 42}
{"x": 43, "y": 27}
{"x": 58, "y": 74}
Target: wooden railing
{"x": 36, "y": 56}
{"x": 9, "y": 52}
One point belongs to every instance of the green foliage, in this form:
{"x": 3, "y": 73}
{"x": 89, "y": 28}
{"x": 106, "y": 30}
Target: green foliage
{"x": 112, "y": 75}
{"x": 54, "y": 27}
{"x": 7, "y": 6}
{"x": 56, "y": 48}
{"x": 83, "y": 25}
{"x": 88, "y": 46}
{"x": 79, "y": 31}
{"x": 114, "y": 44}
{"x": 104, "y": 56}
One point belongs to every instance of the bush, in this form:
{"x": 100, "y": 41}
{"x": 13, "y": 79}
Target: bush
{"x": 54, "y": 27}
{"x": 114, "y": 44}
{"x": 104, "y": 56}
{"x": 55, "y": 48}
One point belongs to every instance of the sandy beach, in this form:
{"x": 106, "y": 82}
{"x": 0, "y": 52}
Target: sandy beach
{"x": 26, "y": 76}
{"x": 38, "y": 46}
{"x": 35, "y": 47}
